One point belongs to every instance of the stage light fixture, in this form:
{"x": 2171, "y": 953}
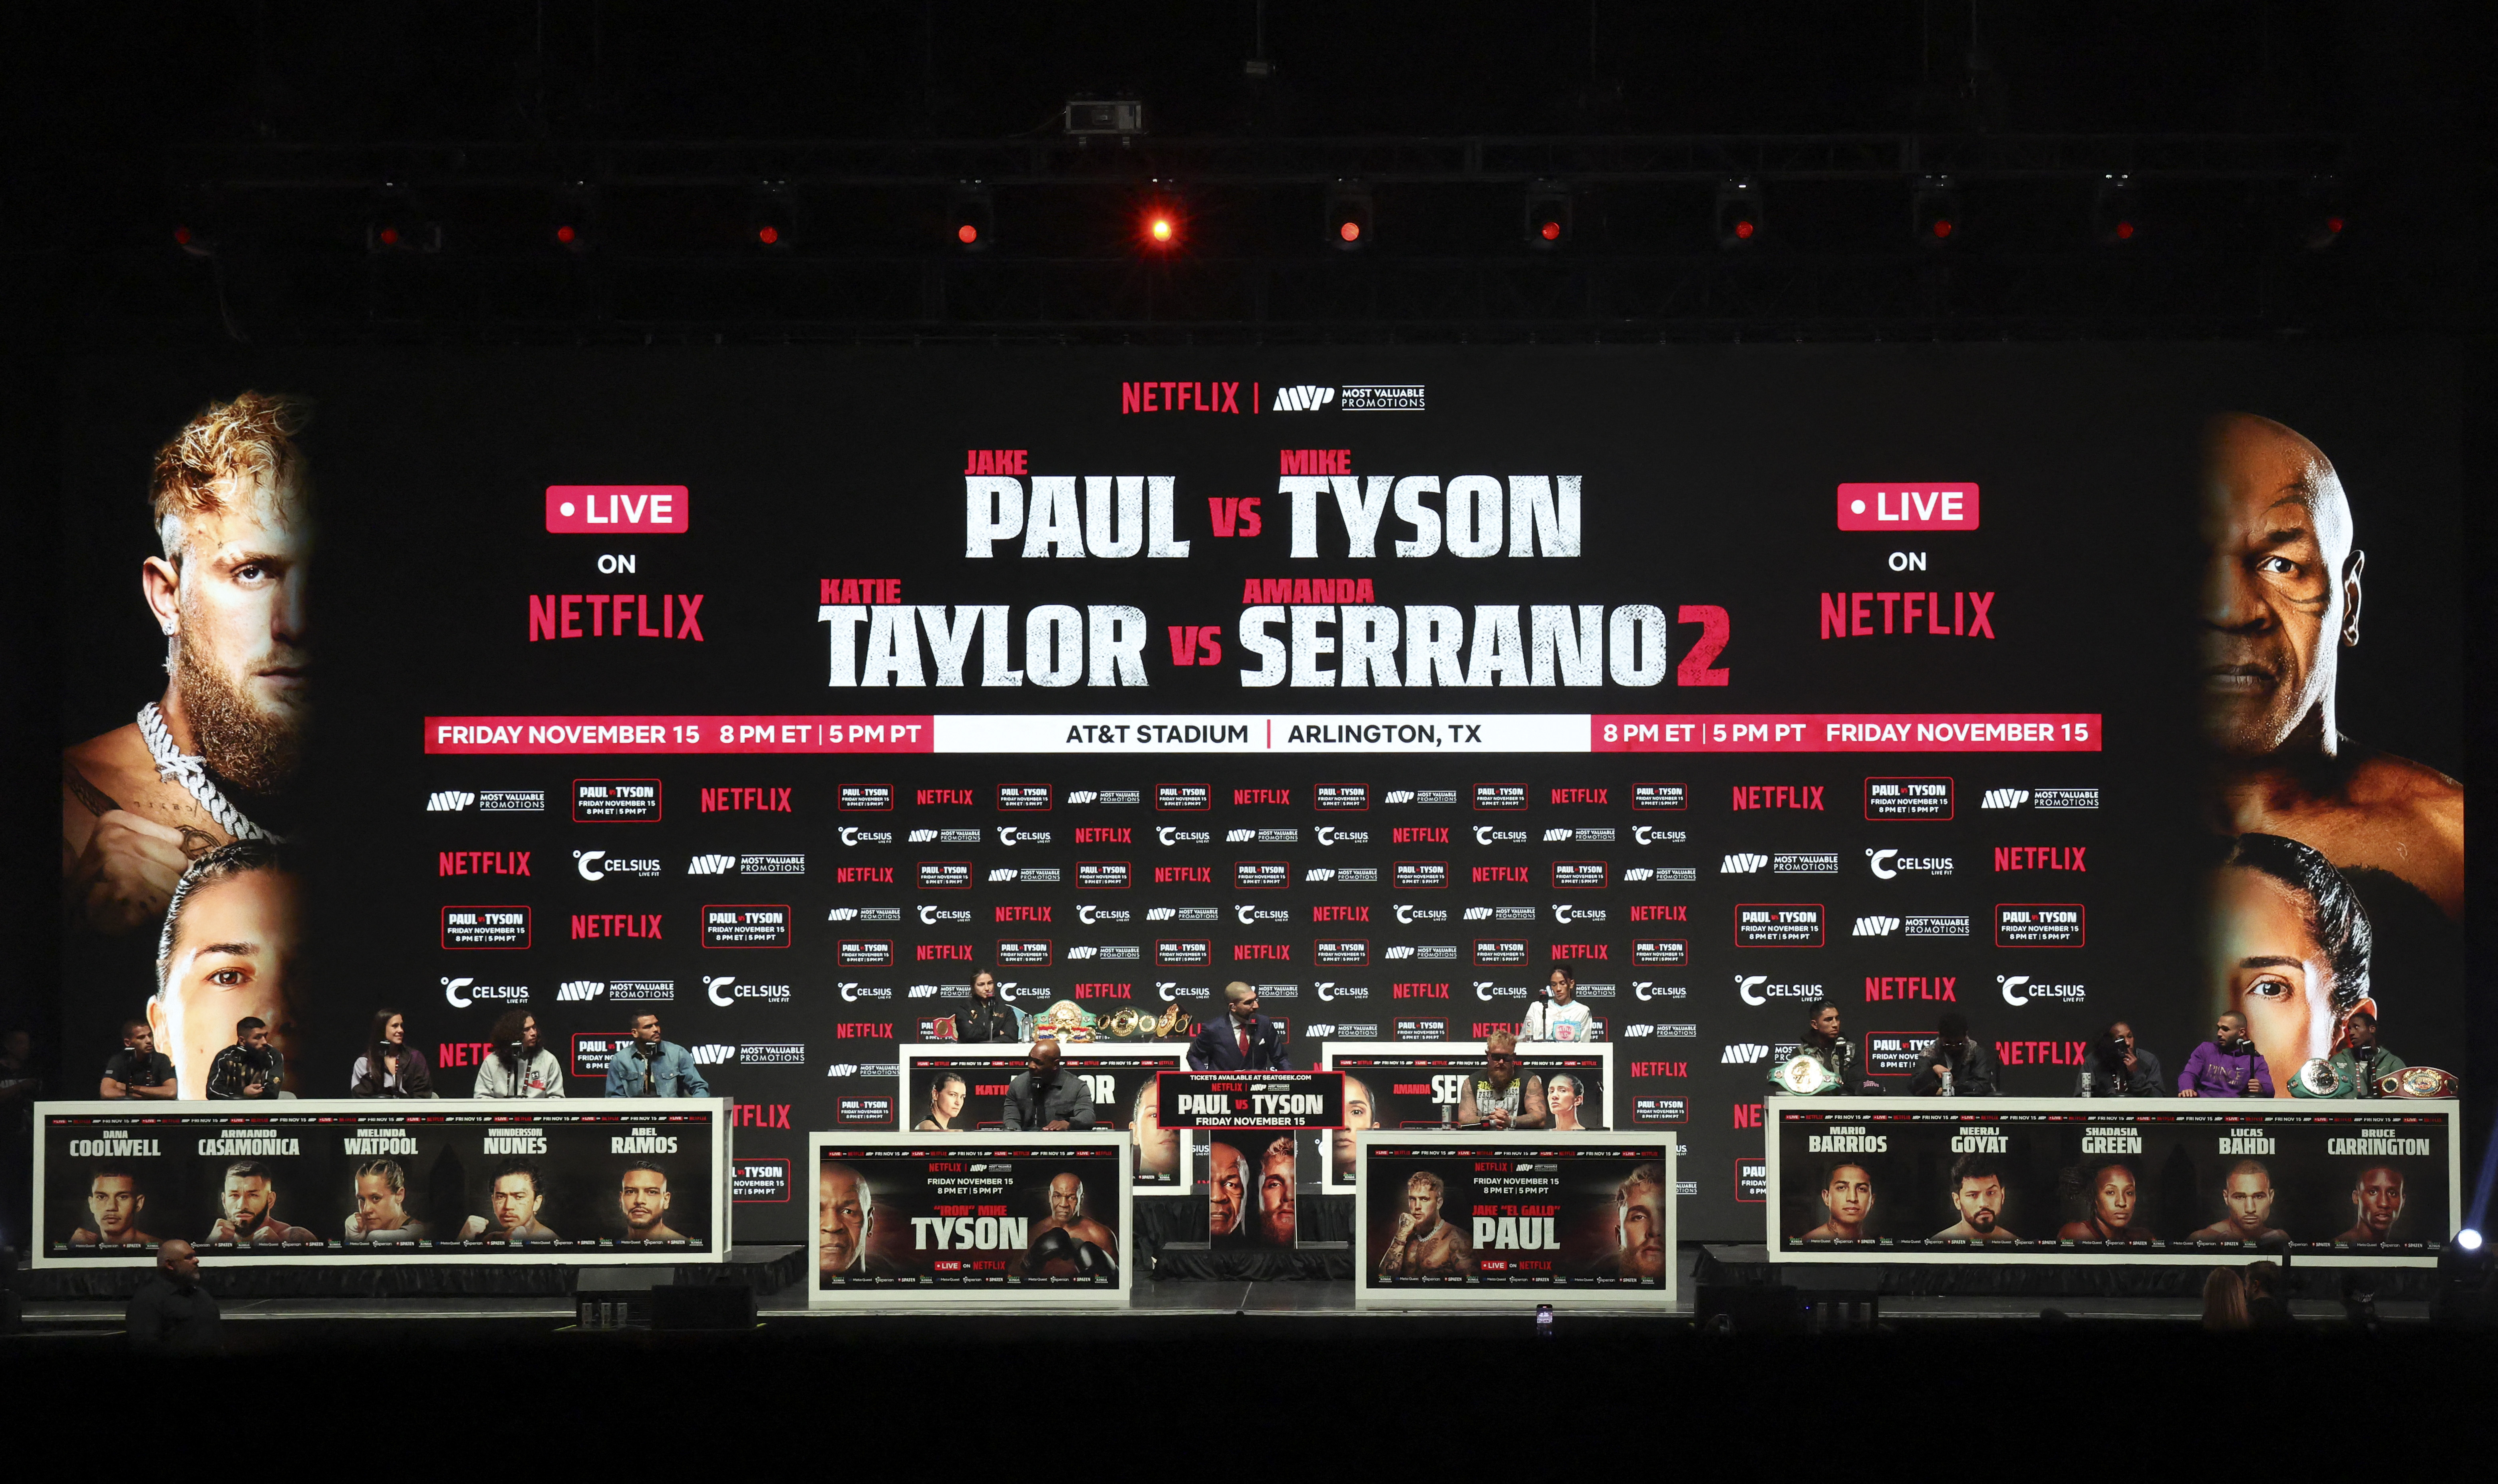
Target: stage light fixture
{"x": 1739, "y": 213}
{"x": 772, "y": 218}
{"x": 1547, "y": 215}
{"x": 1347, "y": 215}
{"x": 971, "y": 217}
{"x": 2116, "y": 214}
{"x": 1124, "y": 117}
{"x": 1934, "y": 210}
{"x": 1162, "y": 219}
{"x": 396, "y": 222}
{"x": 2468, "y": 1239}
{"x": 573, "y": 223}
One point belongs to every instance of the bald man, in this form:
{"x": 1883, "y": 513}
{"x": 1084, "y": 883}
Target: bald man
{"x": 171, "y": 1314}
{"x": 2281, "y": 601}
{"x": 1069, "y": 1235}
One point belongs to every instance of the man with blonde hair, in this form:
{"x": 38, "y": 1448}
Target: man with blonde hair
{"x": 208, "y": 761}
{"x": 1505, "y": 1095}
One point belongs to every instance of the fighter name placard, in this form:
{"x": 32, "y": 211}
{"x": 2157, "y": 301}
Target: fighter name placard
{"x": 1251, "y": 1100}
{"x": 1443, "y": 1220}
{"x": 2111, "y": 1181}
{"x": 364, "y": 1180}
{"x": 1022, "y": 1219}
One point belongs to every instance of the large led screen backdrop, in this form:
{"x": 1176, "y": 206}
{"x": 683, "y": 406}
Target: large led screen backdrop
{"x": 777, "y": 694}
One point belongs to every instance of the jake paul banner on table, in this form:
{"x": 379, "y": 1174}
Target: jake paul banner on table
{"x": 1458, "y": 1218}
{"x": 358, "y": 1180}
{"x": 1435, "y": 1084}
{"x": 953, "y": 1087}
{"x": 951, "y": 1218}
{"x": 2128, "y": 1181}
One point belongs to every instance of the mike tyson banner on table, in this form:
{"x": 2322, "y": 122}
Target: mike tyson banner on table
{"x": 1021, "y": 1219}
{"x": 954, "y": 1086}
{"x": 1459, "y": 1219}
{"x": 366, "y": 1180}
{"x": 2115, "y": 1180}
{"x": 1428, "y": 1085}
{"x": 779, "y": 694}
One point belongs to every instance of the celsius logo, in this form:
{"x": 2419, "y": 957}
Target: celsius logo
{"x": 717, "y": 987}
{"x": 1399, "y": 795}
{"x": 710, "y": 1055}
{"x": 2018, "y": 990}
{"x": 1486, "y": 990}
{"x": 1302, "y": 398}
{"x": 853, "y": 991}
{"x": 581, "y": 989}
{"x": 1745, "y": 983}
{"x": 1890, "y": 864}
{"x": 463, "y": 992}
{"x": 1645, "y": 989}
{"x": 586, "y": 864}
{"x": 439, "y": 803}
{"x": 1329, "y": 991}
{"x": 1744, "y": 1053}
{"x": 1742, "y": 863}
{"x": 1876, "y": 927}
{"x": 852, "y": 834}
{"x": 2004, "y": 799}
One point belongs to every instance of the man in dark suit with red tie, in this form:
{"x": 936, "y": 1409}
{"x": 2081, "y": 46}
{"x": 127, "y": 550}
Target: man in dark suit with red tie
{"x": 1242, "y": 1040}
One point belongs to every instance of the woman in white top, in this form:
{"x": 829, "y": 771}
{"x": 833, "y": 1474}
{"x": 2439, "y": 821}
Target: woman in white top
{"x": 1564, "y": 1018}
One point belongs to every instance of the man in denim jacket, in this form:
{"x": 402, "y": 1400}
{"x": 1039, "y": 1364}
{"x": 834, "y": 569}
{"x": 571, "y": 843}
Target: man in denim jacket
{"x": 652, "y": 1068}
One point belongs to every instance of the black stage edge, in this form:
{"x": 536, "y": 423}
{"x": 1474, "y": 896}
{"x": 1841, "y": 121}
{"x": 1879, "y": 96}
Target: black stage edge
{"x": 1165, "y": 1222}
{"x": 765, "y": 1269}
{"x": 1748, "y": 1265}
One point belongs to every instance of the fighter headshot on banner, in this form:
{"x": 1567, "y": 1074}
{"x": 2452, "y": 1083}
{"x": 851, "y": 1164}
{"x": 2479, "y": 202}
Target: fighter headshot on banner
{"x": 2026, "y": 1179}
{"x": 1025, "y": 1218}
{"x": 356, "y": 1180}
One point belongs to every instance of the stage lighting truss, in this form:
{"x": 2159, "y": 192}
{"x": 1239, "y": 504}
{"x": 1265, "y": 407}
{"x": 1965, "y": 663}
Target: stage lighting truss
{"x": 1933, "y": 211}
{"x": 2116, "y": 213}
{"x": 1739, "y": 212}
{"x": 1349, "y": 214}
{"x": 397, "y": 222}
{"x": 1547, "y": 215}
{"x": 971, "y": 217}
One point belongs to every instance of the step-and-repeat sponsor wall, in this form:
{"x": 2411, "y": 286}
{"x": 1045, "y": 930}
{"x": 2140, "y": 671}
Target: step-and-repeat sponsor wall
{"x": 779, "y": 692}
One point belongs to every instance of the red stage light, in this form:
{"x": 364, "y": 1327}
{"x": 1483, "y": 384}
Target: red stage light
{"x": 2333, "y": 224}
{"x": 767, "y": 236}
{"x": 1942, "y": 226}
{"x": 1351, "y": 232}
{"x": 2124, "y": 232}
{"x": 1743, "y": 230}
{"x": 181, "y": 237}
{"x": 565, "y": 234}
{"x": 1551, "y": 231}
{"x": 1160, "y": 229}
{"x": 966, "y": 234}
{"x": 390, "y": 237}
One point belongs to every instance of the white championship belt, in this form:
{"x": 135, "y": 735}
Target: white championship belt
{"x": 1804, "y": 1076}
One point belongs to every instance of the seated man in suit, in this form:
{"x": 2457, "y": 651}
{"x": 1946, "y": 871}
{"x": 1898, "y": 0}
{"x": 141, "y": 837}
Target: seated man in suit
{"x": 1242, "y": 1038}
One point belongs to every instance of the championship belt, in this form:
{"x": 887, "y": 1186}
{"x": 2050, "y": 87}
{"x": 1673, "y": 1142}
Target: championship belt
{"x": 1065, "y": 1020}
{"x": 1804, "y": 1076}
{"x": 2418, "y": 1082}
{"x": 942, "y": 1029}
{"x": 2318, "y": 1080}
